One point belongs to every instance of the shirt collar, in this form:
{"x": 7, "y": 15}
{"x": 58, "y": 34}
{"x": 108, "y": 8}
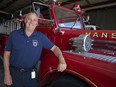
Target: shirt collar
{"x": 33, "y": 34}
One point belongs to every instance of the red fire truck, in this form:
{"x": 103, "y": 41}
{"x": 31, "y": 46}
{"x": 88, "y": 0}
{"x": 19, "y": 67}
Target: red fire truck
{"x": 89, "y": 54}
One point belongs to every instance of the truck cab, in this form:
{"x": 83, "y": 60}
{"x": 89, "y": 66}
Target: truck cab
{"x": 89, "y": 54}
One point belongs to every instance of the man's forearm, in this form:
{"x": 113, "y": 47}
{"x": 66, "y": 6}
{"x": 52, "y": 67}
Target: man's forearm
{"x": 6, "y": 62}
{"x": 62, "y": 64}
{"x": 7, "y": 75}
{"x": 58, "y": 53}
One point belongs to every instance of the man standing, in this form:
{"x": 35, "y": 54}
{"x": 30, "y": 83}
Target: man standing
{"x": 22, "y": 53}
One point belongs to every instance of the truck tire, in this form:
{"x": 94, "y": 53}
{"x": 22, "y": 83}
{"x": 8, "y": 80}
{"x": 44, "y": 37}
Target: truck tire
{"x": 68, "y": 81}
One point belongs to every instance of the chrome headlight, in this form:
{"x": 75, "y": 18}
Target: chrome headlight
{"x": 81, "y": 43}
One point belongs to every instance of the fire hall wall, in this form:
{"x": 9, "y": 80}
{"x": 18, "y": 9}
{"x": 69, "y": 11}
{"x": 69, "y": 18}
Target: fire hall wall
{"x": 104, "y": 18}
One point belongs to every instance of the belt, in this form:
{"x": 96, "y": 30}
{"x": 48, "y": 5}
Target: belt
{"x": 23, "y": 69}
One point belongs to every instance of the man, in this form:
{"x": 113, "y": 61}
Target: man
{"x": 22, "y": 53}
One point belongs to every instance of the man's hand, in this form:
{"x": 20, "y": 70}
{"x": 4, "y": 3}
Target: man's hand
{"x": 62, "y": 65}
{"x": 7, "y": 79}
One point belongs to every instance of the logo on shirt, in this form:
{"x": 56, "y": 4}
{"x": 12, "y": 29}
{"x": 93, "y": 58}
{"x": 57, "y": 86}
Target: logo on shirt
{"x": 35, "y": 43}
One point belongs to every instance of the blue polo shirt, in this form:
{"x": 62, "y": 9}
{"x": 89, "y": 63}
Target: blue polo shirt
{"x": 26, "y": 51}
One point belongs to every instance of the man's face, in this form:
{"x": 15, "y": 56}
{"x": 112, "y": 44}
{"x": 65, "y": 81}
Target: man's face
{"x": 31, "y": 21}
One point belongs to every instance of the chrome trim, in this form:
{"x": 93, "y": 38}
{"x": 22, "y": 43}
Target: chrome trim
{"x": 106, "y": 58}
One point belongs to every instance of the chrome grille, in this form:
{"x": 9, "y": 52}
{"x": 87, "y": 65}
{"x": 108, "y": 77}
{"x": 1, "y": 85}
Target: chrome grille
{"x": 106, "y": 58}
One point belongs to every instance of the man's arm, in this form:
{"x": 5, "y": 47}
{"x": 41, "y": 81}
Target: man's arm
{"x": 62, "y": 64}
{"x": 7, "y": 76}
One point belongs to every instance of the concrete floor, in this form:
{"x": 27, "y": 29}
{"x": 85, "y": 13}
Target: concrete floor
{"x": 1, "y": 76}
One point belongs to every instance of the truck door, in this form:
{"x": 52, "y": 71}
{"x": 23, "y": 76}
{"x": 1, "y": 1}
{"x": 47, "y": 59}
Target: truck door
{"x": 68, "y": 23}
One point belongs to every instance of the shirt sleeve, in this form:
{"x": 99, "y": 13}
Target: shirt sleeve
{"x": 46, "y": 43}
{"x": 8, "y": 46}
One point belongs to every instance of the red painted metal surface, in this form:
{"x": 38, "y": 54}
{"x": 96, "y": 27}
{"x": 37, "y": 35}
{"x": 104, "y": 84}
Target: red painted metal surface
{"x": 96, "y": 73}
{"x": 3, "y": 40}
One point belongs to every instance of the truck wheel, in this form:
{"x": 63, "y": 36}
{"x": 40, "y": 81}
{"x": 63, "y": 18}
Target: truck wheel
{"x": 68, "y": 81}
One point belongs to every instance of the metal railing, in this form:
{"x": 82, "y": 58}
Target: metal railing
{"x": 10, "y": 25}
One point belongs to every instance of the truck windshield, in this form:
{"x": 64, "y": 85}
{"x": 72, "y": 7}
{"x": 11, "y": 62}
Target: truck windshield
{"x": 67, "y": 19}
{"x": 43, "y": 12}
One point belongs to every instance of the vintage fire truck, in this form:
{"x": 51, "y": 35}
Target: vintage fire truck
{"x": 90, "y": 54}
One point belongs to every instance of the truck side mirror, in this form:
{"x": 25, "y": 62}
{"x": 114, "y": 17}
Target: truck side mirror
{"x": 58, "y": 31}
{"x": 88, "y": 18}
